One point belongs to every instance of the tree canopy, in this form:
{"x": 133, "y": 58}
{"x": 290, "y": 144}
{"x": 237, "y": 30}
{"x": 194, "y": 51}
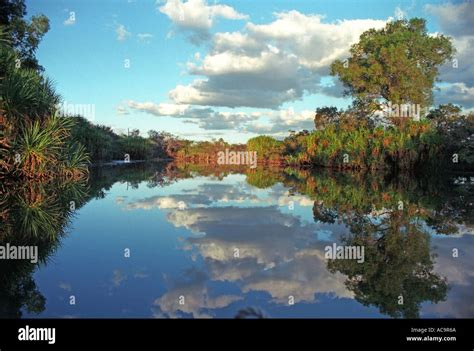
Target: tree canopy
{"x": 397, "y": 64}
{"x": 24, "y": 35}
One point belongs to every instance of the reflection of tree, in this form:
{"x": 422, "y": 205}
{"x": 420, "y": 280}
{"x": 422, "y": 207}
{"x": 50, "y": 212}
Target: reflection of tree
{"x": 37, "y": 214}
{"x": 262, "y": 177}
{"x": 456, "y": 208}
{"x": 33, "y": 214}
{"x": 103, "y": 178}
{"x": 20, "y": 292}
{"x": 324, "y": 214}
{"x": 396, "y": 275}
{"x": 389, "y": 217}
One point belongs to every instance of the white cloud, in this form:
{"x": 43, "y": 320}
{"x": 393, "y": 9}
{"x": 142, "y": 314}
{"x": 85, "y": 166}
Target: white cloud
{"x": 456, "y": 93}
{"x": 122, "y": 33}
{"x": 169, "y": 202}
{"x": 162, "y": 109}
{"x": 267, "y": 65}
{"x": 300, "y": 34}
{"x": 198, "y": 297}
{"x": 283, "y": 121}
{"x": 283, "y": 260}
{"x": 196, "y": 17}
{"x": 206, "y": 118}
{"x": 456, "y": 20}
{"x": 209, "y": 119}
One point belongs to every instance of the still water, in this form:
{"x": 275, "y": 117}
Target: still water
{"x": 153, "y": 240}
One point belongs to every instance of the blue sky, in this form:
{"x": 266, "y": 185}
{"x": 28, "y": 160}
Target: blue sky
{"x": 232, "y": 69}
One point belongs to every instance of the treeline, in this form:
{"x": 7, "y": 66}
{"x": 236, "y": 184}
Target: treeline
{"x": 345, "y": 140}
{"x": 103, "y": 144}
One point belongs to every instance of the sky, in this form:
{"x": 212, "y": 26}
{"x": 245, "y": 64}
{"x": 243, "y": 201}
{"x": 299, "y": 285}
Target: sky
{"x": 204, "y": 69}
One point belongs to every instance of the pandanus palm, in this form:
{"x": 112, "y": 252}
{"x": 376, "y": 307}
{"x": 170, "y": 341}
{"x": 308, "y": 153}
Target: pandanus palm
{"x": 39, "y": 138}
{"x": 45, "y": 150}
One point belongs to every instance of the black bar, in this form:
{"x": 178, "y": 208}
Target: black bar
{"x": 316, "y": 334}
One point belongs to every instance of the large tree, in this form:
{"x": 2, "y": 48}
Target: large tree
{"x": 397, "y": 64}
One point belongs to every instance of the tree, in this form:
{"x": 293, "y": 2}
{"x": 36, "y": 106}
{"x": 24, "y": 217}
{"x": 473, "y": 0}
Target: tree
{"x": 443, "y": 115}
{"x": 23, "y": 35}
{"x": 397, "y": 64}
{"x": 134, "y": 133}
{"x": 325, "y": 116}
{"x": 265, "y": 146}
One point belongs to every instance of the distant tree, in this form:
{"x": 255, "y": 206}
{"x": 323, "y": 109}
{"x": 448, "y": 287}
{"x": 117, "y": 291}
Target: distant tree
{"x": 134, "y": 133}
{"x": 265, "y": 146}
{"x": 443, "y": 115}
{"x": 325, "y": 116}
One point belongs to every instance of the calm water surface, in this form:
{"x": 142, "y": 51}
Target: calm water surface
{"x": 156, "y": 241}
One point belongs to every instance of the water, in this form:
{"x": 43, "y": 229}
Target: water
{"x": 150, "y": 240}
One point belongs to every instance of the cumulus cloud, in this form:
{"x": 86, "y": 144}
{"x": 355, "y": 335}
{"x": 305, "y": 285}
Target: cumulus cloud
{"x": 460, "y": 274}
{"x": 300, "y": 34}
{"x": 283, "y": 121}
{"x": 266, "y": 65}
{"x": 277, "y": 252}
{"x": 206, "y": 118}
{"x": 196, "y": 17}
{"x": 122, "y": 33}
{"x": 456, "y": 93}
{"x": 203, "y": 196}
{"x": 456, "y": 20}
{"x": 169, "y": 202}
{"x": 224, "y": 120}
{"x": 195, "y": 297}
{"x": 161, "y": 109}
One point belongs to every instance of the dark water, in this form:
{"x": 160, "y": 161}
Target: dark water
{"x": 167, "y": 241}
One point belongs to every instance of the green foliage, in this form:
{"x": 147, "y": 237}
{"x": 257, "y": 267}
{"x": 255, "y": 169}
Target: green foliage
{"x": 30, "y": 126}
{"x": 262, "y": 177}
{"x": 204, "y": 151}
{"x": 325, "y": 116}
{"x": 352, "y": 144}
{"x": 103, "y": 144}
{"x": 138, "y": 148}
{"x": 24, "y": 92}
{"x": 267, "y": 148}
{"x": 24, "y": 35}
{"x": 457, "y": 132}
{"x": 100, "y": 141}
{"x": 32, "y": 213}
{"x": 398, "y": 63}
